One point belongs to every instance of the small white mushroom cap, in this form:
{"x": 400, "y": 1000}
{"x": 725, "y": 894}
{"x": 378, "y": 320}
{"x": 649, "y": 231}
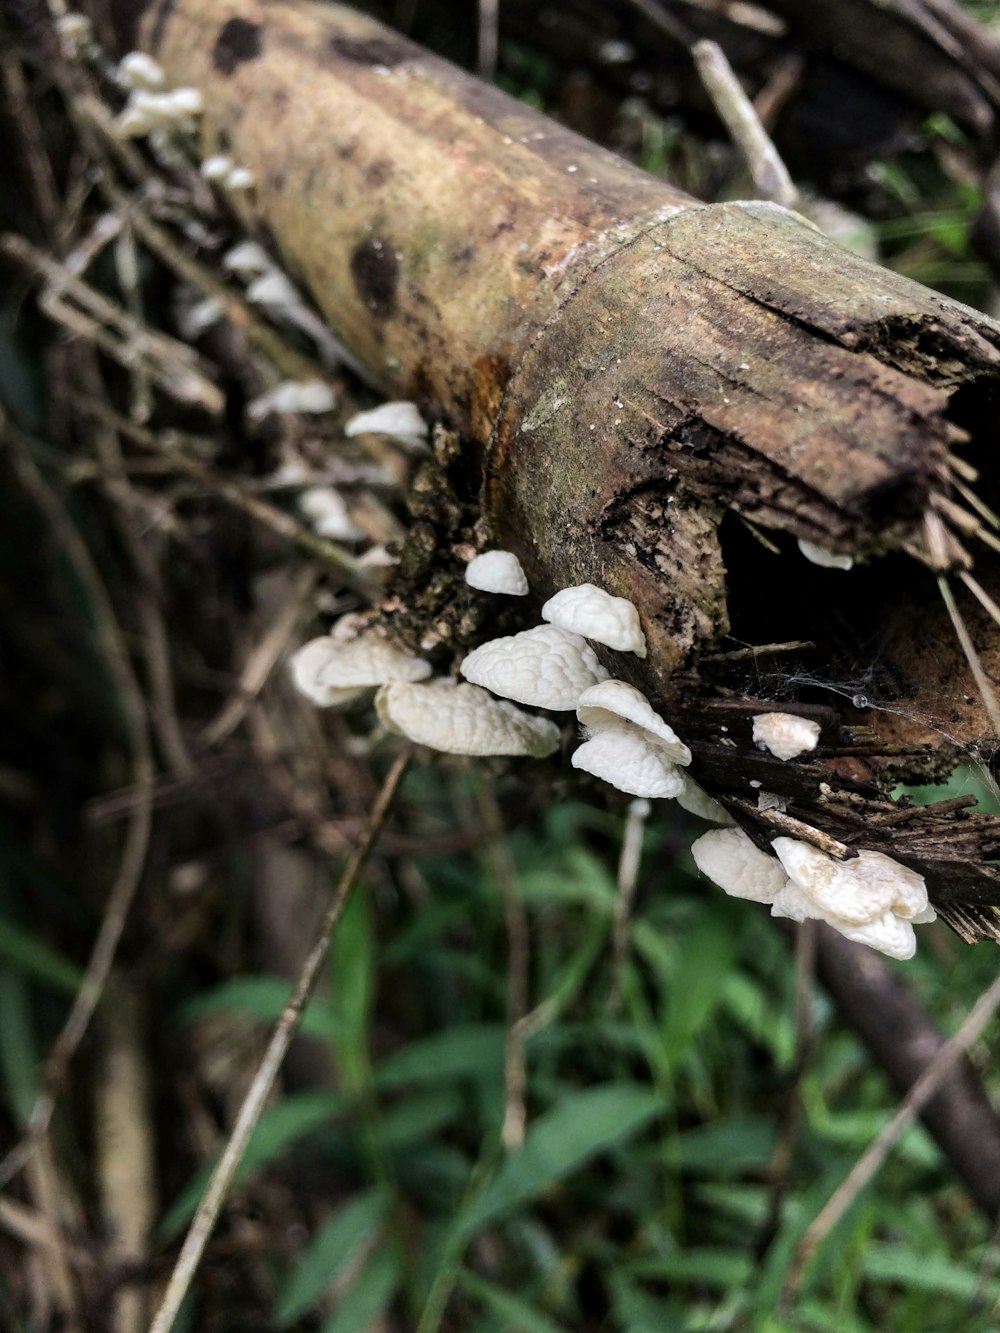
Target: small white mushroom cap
{"x": 399, "y": 419}
{"x": 856, "y": 891}
{"x": 247, "y": 258}
{"x": 239, "y": 178}
{"x": 546, "y": 667}
{"x": 273, "y": 288}
{"x": 217, "y": 167}
{"x": 182, "y": 102}
{"x": 730, "y": 859}
{"x": 819, "y": 555}
{"x": 697, "y": 801}
{"x": 332, "y": 670}
{"x": 312, "y": 396}
{"x": 497, "y": 571}
{"x": 328, "y": 514}
{"x": 784, "y": 734}
{"x": 138, "y": 70}
{"x": 612, "y": 704}
{"x": 463, "y": 719}
{"x": 629, "y": 762}
{"x": 588, "y": 610}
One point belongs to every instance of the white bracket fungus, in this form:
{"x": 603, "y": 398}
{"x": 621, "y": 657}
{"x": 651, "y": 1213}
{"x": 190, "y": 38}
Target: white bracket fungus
{"x": 730, "y": 859}
{"x": 819, "y": 555}
{"x": 312, "y": 396}
{"x": 497, "y": 571}
{"x": 399, "y": 419}
{"x": 546, "y": 666}
{"x": 273, "y": 288}
{"x": 217, "y": 167}
{"x": 588, "y": 610}
{"x": 247, "y": 259}
{"x": 137, "y": 70}
{"x": 331, "y": 670}
{"x": 328, "y": 514}
{"x": 784, "y": 734}
{"x": 240, "y": 178}
{"x": 871, "y": 899}
{"x": 627, "y": 760}
{"x": 613, "y": 705}
{"x": 464, "y": 719}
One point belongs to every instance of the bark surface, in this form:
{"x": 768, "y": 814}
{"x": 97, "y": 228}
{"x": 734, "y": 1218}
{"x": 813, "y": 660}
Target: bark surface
{"x": 645, "y": 384}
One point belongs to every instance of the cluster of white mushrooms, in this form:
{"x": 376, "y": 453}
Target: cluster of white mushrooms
{"x": 870, "y": 898}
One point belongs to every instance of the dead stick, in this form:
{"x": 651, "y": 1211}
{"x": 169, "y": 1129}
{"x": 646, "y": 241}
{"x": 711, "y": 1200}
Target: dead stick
{"x": 253, "y": 1103}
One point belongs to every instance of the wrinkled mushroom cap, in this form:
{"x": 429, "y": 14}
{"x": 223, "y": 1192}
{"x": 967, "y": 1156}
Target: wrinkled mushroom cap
{"x": 332, "y": 671}
{"x": 463, "y": 719}
{"x": 497, "y": 571}
{"x": 546, "y": 667}
{"x": 588, "y": 610}
{"x": 732, "y": 861}
{"x": 857, "y": 891}
{"x": 630, "y": 763}
{"x": 887, "y": 932}
{"x": 785, "y": 735}
{"x": 613, "y": 704}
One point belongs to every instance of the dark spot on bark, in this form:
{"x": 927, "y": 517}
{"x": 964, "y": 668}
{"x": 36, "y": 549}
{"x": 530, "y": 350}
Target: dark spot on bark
{"x": 345, "y": 151}
{"x": 375, "y": 270}
{"x": 500, "y": 229}
{"x": 370, "y": 51}
{"x": 238, "y": 41}
{"x": 462, "y": 257}
{"x": 377, "y": 174}
{"x": 279, "y": 99}
{"x": 276, "y": 182}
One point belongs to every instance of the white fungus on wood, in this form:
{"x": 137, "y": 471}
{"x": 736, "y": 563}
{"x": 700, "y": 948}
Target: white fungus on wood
{"x": 732, "y": 861}
{"x": 614, "y": 705}
{"x": 819, "y": 555}
{"x": 401, "y": 420}
{"x": 328, "y": 515}
{"x": 332, "y": 670}
{"x": 785, "y": 735}
{"x": 627, "y": 760}
{"x": 464, "y": 719}
{"x": 546, "y": 667}
{"x": 588, "y": 610}
{"x": 497, "y": 571}
{"x": 137, "y": 70}
{"x": 696, "y": 801}
{"x": 311, "y": 396}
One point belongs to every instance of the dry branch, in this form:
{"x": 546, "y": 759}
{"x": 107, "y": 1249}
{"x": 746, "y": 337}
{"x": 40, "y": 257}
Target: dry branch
{"x": 642, "y": 383}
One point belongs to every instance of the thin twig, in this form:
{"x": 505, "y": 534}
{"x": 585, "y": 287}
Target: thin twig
{"x": 489, "y": 20}
{"x": 504, "y": 871}
{"x": 628, "y": 875}
{"x": 133, "y": 854}
{"x": 767, "y": 171}
{"x": 868, "y": 1164}
{"x": 253, "y": 1103}
{"x": 983, "y": 682}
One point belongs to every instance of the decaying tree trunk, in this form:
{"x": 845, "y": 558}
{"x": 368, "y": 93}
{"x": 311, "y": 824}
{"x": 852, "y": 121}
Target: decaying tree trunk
{"x": 645, "y": 384}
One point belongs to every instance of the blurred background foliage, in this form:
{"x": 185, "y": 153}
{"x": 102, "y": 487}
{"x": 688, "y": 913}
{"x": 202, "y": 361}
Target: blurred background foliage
{"x": 523, "y": 1100}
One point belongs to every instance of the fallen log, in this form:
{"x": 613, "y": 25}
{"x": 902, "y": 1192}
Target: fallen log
{"x": 655, "y": 395}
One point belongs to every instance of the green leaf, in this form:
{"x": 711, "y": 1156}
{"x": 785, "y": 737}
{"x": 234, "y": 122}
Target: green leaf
{"x": 260, "y": 997}
{"x": 919, "y": 1271}
{"x": 352, "y": 989}
{"x": 276, "y": 1131}
{"x": 332, "y": 1247}
{"x": 727, "y": 1148}
{"x": 19, "y": 1059}
{"x": 418, "y": 1118}
{"x": 515, "y": 1313}
{"x": 471, "y": 1050}
{"x": 696, "y": 984}
{"x": 704, "y": 1267}
{"x": 27, "y": 954}
{"x": 560, "y": 1141}
{"x": 372, "y": 1291}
